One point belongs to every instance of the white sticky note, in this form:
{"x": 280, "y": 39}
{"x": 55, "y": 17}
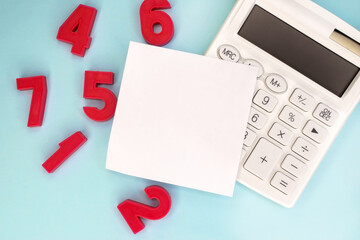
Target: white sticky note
{"x": 181, "y": 118}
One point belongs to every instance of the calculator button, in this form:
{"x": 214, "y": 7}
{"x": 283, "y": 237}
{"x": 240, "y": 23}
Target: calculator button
{"x": 276, "y": 83}
{"x": 281, "y": 134}
{"x": 304, "y": 149}
{"x": 283, "y": 183}
{"x": 315, "y": 131}
{"x": 256, "y": 118}
{"x": 294, "y": 166}
{"x": 252, "y": 62}
{"x": 325, "y": 114}
{"x": 249, "y": 137}
{"x": 263, "y": 158}
{"x": 265, "y": 100}
{"x": 291, "y": 117}
{"x": 229, "y": 53}
{"x": 303, "y": 100}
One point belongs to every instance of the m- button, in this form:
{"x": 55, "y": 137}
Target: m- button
{"x": 229, "y": 53}
{"x": 276, "y": 83}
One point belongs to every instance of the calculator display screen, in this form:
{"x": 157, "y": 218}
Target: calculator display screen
{"x": 298, "y": 51}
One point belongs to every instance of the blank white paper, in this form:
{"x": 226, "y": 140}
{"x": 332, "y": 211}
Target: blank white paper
{"x": 181, "y": 118}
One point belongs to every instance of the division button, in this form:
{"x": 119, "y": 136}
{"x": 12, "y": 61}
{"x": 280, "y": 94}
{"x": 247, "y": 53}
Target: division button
{"x": 304, "y": 149}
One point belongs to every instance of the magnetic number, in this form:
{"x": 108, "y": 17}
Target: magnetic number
{"x": 67, "y": 147}
{"x": 255, "y": 117}
{"x": 149, "y": 18}
{"x": 265, "y": 100}
{"x": 77, "y": 28}
{"x": 92, "y": 91}
{"x": 38, "y": 100}
{"x": 132, "y": 211}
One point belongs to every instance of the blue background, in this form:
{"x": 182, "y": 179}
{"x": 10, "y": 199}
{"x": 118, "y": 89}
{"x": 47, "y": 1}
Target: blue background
{"x": 79, "y": 200}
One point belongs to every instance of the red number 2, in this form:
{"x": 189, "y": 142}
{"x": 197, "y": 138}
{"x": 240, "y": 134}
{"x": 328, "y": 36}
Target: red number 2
{"x": 38, "y": 100}
{"x": 77, "y": 28}
{"x": 132, "y": 210}
{"x": 149, "y": 18}
{"x": 91, "y": 91}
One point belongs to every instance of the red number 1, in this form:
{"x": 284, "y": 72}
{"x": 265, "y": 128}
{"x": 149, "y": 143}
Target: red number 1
{"x": 38, "y": 100}
{"x": 132, "y": 211}
{"x": 77, "y": 28}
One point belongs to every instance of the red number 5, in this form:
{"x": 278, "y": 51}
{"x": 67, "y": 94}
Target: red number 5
{"x": 149, "y": 18}
{"x": 77, "y": 28}
{"x": 91, "y": 91}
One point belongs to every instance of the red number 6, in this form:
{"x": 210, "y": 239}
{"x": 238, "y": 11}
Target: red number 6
{"x": 149, "y": 18}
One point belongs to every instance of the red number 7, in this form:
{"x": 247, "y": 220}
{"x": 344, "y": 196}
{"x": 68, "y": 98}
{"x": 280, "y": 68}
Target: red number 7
{"x": 91, "y": 91}
{"x": 38, "y": 100}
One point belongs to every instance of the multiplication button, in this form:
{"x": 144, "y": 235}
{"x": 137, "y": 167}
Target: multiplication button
{"x": 325, "y": 114}
{"x": 229, "y": 53}
{"x": 281, "y": 134}
{"x": 263, "y": 158}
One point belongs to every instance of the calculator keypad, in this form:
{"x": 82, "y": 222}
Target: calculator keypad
{"x": 291, "y": 117}
{"x": 299, "y": 137}
{"x": 265, "y": 100}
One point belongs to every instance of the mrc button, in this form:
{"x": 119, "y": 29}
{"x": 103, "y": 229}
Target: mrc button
{"x": 276, "y": 83}
{"x": 229, "y": 53}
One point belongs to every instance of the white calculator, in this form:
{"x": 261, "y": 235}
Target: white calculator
{"x": 308, "y": 64}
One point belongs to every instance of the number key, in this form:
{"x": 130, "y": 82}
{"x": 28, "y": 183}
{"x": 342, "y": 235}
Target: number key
{"x": 265, "y": 100}
{"x": 249, "y": 137}
{"x": 257, "y": 119}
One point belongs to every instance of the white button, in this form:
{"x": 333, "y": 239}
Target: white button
{"x": 283, "y": 183}
{"x": 294, "y": 166}
{"x": 252, "y": 62}
{"x": 263, "y": 158}
{"x": 276, "y": 83}
{"x": 249, "y": 137}
{"x": 291, "y": 117}
{"x": 265, "y": 100}
{"x": 315, "y": 131}
{"x": 281, "y": 134}
{"x": 243, "y": 153}
{"x": 256, "y": 118}
{"x": 304, "y": 149}
{"x": 325, "y": 114}
{"x": 302, "y": 100}
{"x": 229, "y": 53}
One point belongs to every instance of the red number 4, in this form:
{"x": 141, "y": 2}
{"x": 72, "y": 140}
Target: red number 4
{"x": 92, "y": 91}
{"x": 77, "y": 28}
